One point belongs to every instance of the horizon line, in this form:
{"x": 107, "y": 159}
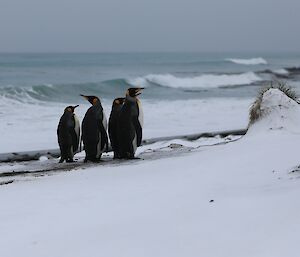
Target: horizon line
{"x": 156, "y": 52}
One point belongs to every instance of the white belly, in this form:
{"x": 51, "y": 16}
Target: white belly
{"x": 141, "y": 113}
{"x": 134, "y": 143}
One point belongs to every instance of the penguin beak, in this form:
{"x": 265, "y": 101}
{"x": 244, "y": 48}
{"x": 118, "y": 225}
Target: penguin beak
{"x": 73, "y": 107}
{"x": 85, "y": 97}
{"x": 134, "y": 91}
{"x": 70, "y": 108}
{"x": 90, "y": 98}
{"x": 138, "y": 91}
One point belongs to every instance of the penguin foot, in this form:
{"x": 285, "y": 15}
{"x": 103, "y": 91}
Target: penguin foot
{"x": 129, "y": 158}
{"x": 94, "y": 160}
{"x": 134, "y": 158}
{"x": 97, "y": 161}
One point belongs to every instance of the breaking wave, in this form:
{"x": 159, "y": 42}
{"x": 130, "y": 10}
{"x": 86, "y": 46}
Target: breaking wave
{"x": 64, "y": 92}
{"x": 282, "y": 72}
{"x": 158, "y": 86}
{"x": 252, "y": 61}
{"x": 202, "y": 81}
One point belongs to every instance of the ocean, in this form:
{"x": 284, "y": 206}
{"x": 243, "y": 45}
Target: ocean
{"x": 184, "y": 92}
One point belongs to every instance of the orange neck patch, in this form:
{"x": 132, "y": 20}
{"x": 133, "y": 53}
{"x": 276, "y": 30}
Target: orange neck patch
{"x": 95, "y": 100}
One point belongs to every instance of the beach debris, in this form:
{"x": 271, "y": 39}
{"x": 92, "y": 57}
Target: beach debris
{"x": 6, "y": 182}
{"x": 175, "y": 146}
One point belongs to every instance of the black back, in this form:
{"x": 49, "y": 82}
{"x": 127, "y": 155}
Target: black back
{"x": 93, "y": 130}
{"x": 66, "y": 135}
{"x": 129, "y": 126}
{"x": 113, "y": 126}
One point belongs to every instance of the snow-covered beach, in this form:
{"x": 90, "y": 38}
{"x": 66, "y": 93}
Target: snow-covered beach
{"x": 214, "y": 197}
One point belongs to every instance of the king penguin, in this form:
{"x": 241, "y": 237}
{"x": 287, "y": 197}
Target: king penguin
{"x": 68, "y": 134}
{"x": 94, "y": 126}
{"x": 113, "y": 125}
{"x": 130, "y": 124}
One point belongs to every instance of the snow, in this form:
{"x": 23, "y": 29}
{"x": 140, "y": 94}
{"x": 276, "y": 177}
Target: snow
{"x": 162, "y": 207}
{"x": 279, "y": 112}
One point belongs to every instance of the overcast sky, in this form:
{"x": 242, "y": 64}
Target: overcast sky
{"x": 149, "y": 25}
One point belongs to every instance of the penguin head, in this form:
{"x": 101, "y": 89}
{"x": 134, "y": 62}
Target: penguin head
{"x": 92, "y": 99}
{"x": 134, "y": 91}
{"x": 71, "y": 108}
{"x": 118, "y": 101}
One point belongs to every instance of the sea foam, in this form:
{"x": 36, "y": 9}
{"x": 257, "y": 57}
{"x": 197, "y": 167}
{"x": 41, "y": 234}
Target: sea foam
{"x": 202, "y": 81}
{"x": 252, "y": 61}
{"x": 281, "y": 72}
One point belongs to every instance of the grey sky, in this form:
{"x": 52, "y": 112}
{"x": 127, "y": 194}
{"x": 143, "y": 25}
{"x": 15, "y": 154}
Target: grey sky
{"x": 152, "y": 25}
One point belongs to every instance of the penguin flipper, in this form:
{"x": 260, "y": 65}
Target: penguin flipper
{"x": 138, "y": 131}
{"x": 104, "y": 137}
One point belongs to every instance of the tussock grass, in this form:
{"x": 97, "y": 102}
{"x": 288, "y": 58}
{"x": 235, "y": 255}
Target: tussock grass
{"x": 255, "y": 109}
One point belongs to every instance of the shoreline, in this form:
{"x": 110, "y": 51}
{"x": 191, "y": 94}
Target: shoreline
{"x": 147, "y": 152}
{"x": 55, "y": 153}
